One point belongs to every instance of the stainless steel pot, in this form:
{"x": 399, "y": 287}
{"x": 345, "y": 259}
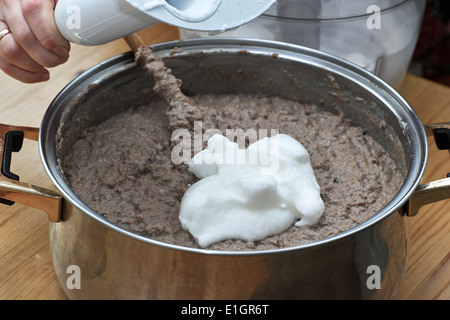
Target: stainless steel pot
{"x": 116, "y": 264}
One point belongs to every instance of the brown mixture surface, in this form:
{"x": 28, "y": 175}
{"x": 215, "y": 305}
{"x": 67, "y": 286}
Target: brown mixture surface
{"x": 122, "y": 168}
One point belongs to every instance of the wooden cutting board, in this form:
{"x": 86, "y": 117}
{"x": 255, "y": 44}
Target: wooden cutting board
{"x": 26, "y": 270}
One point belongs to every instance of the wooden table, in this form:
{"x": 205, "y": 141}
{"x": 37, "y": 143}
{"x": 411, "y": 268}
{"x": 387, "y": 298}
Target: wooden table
{"x": 26, "y": 270}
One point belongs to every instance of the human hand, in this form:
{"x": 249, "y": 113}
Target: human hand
{"x": 33, "y": 43}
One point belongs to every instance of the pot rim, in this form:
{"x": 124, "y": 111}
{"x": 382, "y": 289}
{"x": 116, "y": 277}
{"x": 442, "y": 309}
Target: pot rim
{"x": 376, "y": 86}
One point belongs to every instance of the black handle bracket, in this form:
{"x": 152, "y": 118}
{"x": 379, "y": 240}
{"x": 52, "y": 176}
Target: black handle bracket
{"x": 13, "y": 143}
{"x": 442, "y": 138}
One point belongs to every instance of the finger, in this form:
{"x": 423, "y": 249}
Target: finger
{"x": 40, "y": 18}
{"x": 13, "y": 54}
{"x": 25, "y": 37}
{"x": 23, "y": 75}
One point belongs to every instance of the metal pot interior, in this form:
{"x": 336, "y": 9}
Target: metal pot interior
{"x": 239, "y": 66}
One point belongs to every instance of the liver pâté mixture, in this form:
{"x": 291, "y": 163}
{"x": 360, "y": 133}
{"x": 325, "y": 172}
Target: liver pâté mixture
{"x": 122, "y": 168}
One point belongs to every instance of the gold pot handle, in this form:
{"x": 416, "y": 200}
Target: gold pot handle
{"x": 12, "y": 190}
{"x": 436, "y": 190}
